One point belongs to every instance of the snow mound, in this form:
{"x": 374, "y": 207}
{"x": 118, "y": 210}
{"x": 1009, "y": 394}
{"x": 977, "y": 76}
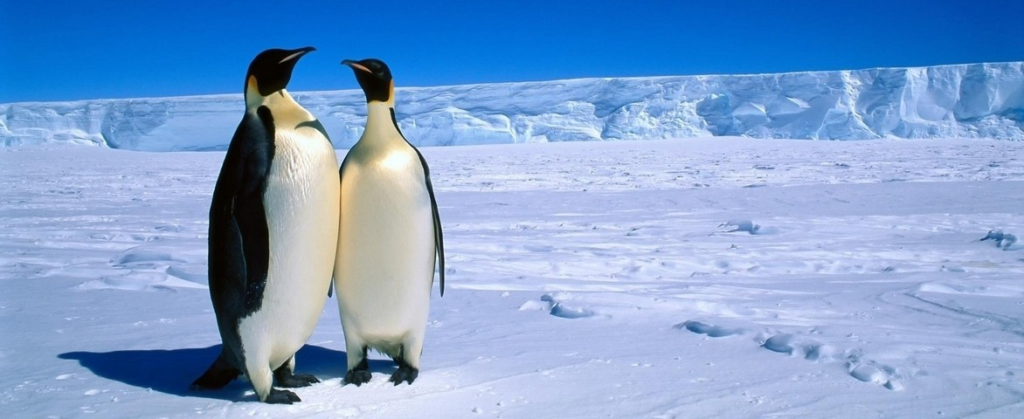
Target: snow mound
{"x": 955, "y": 101}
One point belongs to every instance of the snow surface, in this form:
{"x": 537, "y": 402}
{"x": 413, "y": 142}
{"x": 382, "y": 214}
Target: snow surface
{"x": 711, "y": 278}
{"x": 955, "y": 101}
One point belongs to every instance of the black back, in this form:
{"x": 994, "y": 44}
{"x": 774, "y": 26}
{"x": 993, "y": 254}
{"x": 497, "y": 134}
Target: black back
{"x": 239, "y": 243}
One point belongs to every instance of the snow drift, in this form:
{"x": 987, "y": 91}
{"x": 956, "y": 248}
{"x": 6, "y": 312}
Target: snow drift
{"x": 955, "y": 101}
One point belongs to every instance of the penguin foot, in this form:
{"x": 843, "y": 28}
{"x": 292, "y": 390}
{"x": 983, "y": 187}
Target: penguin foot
{"x": 360, "y": 374}
{"x": 297, "y": 380}
{"x": 357, "y": 377}
{"x": 404, "y": 373}
{"x": 281, "y": 397}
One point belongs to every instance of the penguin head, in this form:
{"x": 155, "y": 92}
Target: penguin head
{"x": 375, "y": 78}
{"x": 270, "y": 72}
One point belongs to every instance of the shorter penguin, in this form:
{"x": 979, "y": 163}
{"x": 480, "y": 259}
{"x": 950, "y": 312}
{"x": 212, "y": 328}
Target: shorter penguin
{"x": 389, "y": 238}
{"x": 273, "y": 232}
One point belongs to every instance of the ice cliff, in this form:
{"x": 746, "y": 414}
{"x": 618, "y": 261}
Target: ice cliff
{"x": 954, "y": 101}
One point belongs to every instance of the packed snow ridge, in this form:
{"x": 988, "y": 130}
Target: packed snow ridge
{"x": 954, "y": 101}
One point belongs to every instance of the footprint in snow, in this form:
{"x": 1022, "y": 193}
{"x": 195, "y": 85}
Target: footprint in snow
{"x": 797, "y": 346}
{"x": 171, "y": 228}
{"x": 863, "y": 370}
{"x": 874, "y": 373}
{"x": 707, "y": 329}
{"x": 748, "y": 226}
{"x": 555, "y": 308}
{"x": 808, "y": 349}
{"x": 144, "y": 256}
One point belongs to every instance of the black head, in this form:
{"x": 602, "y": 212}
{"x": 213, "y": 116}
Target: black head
{"x": 374, "y": 77}
{"x": 271, "y": 70}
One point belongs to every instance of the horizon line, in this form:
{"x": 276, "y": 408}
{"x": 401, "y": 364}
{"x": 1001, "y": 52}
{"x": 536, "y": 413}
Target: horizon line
{"x": 101, "y": 99}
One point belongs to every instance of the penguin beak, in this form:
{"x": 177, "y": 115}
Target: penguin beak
{"x": 296, "y": 54}
{"x": 356, "y": 66}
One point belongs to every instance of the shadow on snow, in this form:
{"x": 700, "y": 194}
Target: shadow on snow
{"x": 172, "y": 371}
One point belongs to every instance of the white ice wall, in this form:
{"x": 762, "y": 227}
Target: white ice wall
{"x": 972, "y": 100}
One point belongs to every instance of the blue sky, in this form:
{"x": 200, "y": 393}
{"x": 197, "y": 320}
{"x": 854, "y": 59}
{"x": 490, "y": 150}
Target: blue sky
{"x": 67, "y": 50}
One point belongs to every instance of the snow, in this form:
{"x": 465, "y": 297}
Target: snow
{"x": 615, "y": 279}
{"x": 957, "y": 101}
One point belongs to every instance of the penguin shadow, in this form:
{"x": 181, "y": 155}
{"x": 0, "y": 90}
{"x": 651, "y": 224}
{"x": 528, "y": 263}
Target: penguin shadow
{"x": 172, "y": 371}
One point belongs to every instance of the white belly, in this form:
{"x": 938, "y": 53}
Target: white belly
{"x": 301, "y": 202}
{"x": 385, "y": 261}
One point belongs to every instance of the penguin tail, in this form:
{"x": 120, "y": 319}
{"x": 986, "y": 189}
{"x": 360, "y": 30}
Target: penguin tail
{"x": 217, "y": 376}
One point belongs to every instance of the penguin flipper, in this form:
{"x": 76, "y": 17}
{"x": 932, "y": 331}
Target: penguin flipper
{"x": 438, "y": 236}
{"x": 239, "y": 234}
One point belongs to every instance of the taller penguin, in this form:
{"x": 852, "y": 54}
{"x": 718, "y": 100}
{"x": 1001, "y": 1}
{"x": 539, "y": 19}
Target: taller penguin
{"x": 389, "y": 238}
{"x": 273, "y": 232}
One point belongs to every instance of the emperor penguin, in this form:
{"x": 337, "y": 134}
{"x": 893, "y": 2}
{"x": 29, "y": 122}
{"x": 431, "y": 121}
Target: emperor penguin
{"x": 273, "y": 232}
{"x": 389, "y": 238}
